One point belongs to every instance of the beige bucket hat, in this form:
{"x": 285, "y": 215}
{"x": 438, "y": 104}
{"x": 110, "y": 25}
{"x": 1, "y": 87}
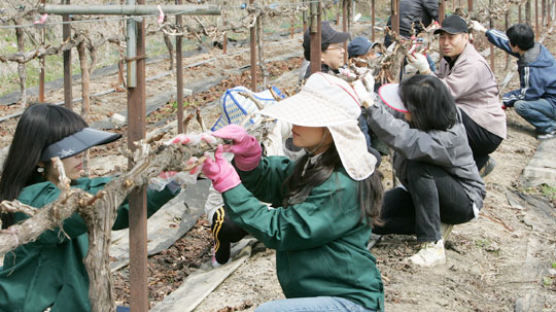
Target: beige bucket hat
{"x": 328, "y": 101}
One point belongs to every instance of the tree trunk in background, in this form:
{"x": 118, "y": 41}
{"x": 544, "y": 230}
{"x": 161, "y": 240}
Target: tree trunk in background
{"x": 170, "y": 47}
{"x": 19, "y": 33}
{"x": 528, "y": 12}
{"x": 85, "y": 77}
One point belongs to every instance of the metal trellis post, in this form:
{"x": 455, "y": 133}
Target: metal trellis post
{"x": 345, "y": 25}
{"x": 137, "y": 198}
{"x": 315, "y": 33}
{"x": 179, "y": 74}
{"x": 373, "y": 20}
{"x": 66, "y": 36}
{"x": 395, "y": 19}
{"x": 441, "y": 11}
{"x": 41, "y": 65}
{"x": 491, "y": 22}
{"x": 253, "y": 51}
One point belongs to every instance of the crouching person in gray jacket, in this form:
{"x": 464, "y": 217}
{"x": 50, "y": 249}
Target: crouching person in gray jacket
{"x": 433, "y": 161}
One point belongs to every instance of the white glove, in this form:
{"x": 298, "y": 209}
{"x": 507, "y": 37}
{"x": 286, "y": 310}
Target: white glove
{"x": 364, "y": 88}
{"x": 419, "y": 61}
{"x": 347, "y": 74}
{"x": 475, "y": 25}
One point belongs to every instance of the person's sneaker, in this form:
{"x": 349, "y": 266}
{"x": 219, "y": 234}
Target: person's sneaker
{"x": 375, "y": 238}
{"x": 431, "y": 254}
{"x": 446, "y": 230}
{"x": 488, "y": 167}
{"x": 546, "y": 136}
{"x": 215, "y": 263}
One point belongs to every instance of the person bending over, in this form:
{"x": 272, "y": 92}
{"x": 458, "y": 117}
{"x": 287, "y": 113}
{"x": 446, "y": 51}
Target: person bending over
{"x": 324, "y": 203}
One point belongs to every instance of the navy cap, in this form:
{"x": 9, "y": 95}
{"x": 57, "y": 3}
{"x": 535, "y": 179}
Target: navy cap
{"x": 77, "y": 143}
{"x": 453, "y": 24}
{"x": 359, "y": 46}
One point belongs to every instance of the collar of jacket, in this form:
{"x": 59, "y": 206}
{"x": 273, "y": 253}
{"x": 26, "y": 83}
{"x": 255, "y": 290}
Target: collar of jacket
{"x": 530, "y": 55}
{"x": 468, "y": 48}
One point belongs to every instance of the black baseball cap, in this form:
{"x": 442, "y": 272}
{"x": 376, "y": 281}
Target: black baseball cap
{"x": 453, "y": 24}
{"x": 77, "y": 143}
{"x": 328, "y": 36}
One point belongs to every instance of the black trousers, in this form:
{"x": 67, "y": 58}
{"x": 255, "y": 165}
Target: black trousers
{"x": 224, "y": 232}
{"x": 481, "y": 141}
{"x": 432, "y": 196}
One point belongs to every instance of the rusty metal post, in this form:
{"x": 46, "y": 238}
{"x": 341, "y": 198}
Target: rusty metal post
{"x": 537, "y": 29}
{"x": 253, "y": 51}
{"x": 548, "y": 13}
{"x": 441, "y": 11}
{"x": 340, "y": 8}
{"x": 224, "y": 35}
{"x": 66, "y": 36}
{"x": 315, "y": 33}
{"x": 138, "y": 199}
{"x": 304, "y": 18}
{"x": 470, "y": 5}
{"x": 179, "y": 73}
{"x": 373, "y": 20}
{"x": 528, "y": 12}
{"x": 506, "y": 26}
{"x": 41, "y": 65}
{"x": 292, "y": 26}
{"x": 345, "y": 25}
{"x": 395, "y": 19}
{"x": 491, "y": 22}
{"x": 543, "y": 13}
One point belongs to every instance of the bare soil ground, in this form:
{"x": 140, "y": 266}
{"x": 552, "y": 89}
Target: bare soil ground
{"x": 493, "y": 262}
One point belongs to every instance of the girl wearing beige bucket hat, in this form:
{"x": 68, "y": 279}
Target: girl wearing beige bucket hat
{"x": 323, "y": 204}
{"x": 441, "y": 183}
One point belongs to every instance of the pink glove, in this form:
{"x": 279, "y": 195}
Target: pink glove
{"x": 246, "y": 149}
{"x": 220, "y": 172}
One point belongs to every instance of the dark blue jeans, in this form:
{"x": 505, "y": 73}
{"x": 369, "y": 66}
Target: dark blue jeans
{"x": 540, "y": 113}
{"x": 312, "y": 304}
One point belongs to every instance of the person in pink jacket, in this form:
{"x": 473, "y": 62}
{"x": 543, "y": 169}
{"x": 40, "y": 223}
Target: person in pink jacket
{"x": 473, "y": 85}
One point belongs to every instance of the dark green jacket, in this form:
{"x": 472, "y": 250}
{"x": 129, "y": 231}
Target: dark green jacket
{"x": 320, "y": 243}
{"x": 50, "y": 271}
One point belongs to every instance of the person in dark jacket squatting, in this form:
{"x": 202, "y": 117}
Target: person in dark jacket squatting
{"x": 324, "y": 203}
{"x": 433, "y": 161}
{"x": 535, "y": 100}
{"x": 49, "y": 272}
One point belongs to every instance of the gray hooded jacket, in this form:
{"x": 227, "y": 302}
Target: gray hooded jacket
{"x": 447, "y": 149}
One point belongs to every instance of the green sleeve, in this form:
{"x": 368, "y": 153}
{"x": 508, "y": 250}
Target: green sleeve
{"x": 75, "y": 225}
{"x": 266, "y": 181}
{"x": 330, "y": 210}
